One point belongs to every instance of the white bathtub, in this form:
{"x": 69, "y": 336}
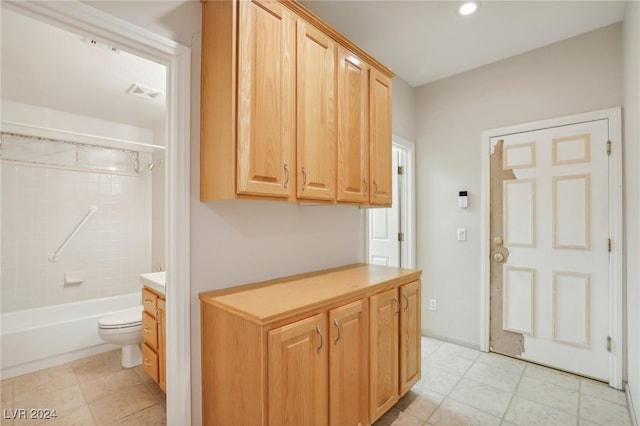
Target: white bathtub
{"x": 43, "y": 337}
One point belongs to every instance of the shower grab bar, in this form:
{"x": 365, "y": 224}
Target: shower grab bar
{"x": 53, "y": 257}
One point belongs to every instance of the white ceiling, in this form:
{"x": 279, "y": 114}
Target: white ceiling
{"x": 48, "y": 67}
{"x": 421, "y": 41}
{"x": 424, "y": 41}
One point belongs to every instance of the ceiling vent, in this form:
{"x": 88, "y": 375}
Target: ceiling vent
{"x": 99, "y": 45}
{"x": 144, "y": 92}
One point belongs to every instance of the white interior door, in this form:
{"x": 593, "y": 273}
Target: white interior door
{"x": 384, "y": 225}
{"x": 549, "y": 221}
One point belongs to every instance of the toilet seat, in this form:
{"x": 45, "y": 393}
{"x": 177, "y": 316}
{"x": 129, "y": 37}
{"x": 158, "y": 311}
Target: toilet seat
{"x": 127, "y": 319}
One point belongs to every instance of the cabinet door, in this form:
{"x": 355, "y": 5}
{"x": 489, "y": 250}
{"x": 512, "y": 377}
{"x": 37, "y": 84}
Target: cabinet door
{"x": 383, "y": 338}
{"x": 353, "y": 136}
{"x": 265, "y": 101}
{"x": 162, "y": 345}
{"x": 298, "y": 377}
{"x": 410, "y": 332}
{"x": 316, "y": 114}
{"x": 348, "y": 364}
{"x": 380, "y": 134}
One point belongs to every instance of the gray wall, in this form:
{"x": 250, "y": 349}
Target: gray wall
{"x": 404, "y": 106}
{"x": 576, "y": 75}
{"x": 631, "y": 115}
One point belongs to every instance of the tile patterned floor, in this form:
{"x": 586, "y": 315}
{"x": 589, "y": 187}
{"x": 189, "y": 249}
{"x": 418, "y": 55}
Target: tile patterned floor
{"x": 87, "y": 392}
{"x": 459, "y": 386}
{"x": 462, "y": 386}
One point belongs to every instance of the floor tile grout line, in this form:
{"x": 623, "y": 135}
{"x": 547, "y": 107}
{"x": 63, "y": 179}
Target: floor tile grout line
{"x": 513, "y": 394}
{"x": 492, "y": 387}
{"x": 448, "y": 394}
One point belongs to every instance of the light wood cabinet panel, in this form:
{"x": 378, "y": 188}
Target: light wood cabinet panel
{"x": 150, "y": 361}
{"x": 284, "y": 115}
{"x": 383, "y": 376}
{"x": 149, "y": 301}
{"x": 348, "y": 364}
{"x": 353, "y": 135}
{"x": 162, "y": 345}
{"x": 410, "y": 333}
{"x": 266, "y": 90}
{"x": 380, "y": 138}
{"x": 154, "y": 336}
{"x": 303, "y": 349}
{"x": 316, "y": 114}
{"x": 298, "y": 382}
{"x": 150, "y": 330}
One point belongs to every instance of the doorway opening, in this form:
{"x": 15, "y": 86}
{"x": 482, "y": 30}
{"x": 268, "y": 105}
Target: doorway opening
{"x": 84, "y": 20}
{"x": 391, "y": 231}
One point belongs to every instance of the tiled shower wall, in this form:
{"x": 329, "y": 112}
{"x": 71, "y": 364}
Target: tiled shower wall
{"x": 41, "y": 206}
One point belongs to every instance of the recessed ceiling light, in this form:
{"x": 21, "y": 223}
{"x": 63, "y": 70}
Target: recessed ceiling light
{"x": 468, "y": 8}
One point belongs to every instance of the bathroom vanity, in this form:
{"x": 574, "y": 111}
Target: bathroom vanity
{"x": 153, "y": 331}
{"x": 338, "y": 346}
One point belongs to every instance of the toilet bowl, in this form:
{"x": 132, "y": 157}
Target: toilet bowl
{"x": 124, "y": 328}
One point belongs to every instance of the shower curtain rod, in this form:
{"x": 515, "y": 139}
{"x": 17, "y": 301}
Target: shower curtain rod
{"x": 53, "y": 257}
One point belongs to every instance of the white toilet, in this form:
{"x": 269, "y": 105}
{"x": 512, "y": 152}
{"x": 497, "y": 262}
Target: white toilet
{"x": 124, "y": 328}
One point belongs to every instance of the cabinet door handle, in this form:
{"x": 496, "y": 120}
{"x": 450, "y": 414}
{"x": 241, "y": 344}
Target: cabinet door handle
{"x": 304, "y": 178}
{"x": 406, "y": 299}
{"x": 321, "y": 340}
{"x": 156, "y": 316}
{"x": 366, "y": 186}
{"x": 375, "y": 183}
{"x": 286, "y": 176}
{"x": 395, "y": 299}
{"x": 147, "y": 363}
{"x": 147, "y": 330}
{"x": 337, "y": 324}
{"x": 148, "y": 301}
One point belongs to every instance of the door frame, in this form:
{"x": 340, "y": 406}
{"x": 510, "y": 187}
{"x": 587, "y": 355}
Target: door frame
{"x": 81, "y": 18}
{"x": 615, "y": 227}
{"x": 408, "y": 203}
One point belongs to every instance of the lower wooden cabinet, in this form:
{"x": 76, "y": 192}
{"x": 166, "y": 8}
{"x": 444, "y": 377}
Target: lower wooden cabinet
{"x": 395, "y": 346}
{"x": 348, "y": 364}
{"x": 384, "y": 391}
{"x": 153, "y": 336}
{"x": 298, "y": 373}
{"x": 324, "y": 348}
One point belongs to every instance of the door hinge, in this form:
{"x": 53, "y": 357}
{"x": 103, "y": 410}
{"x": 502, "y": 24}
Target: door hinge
{"x": 400, "y": 170}
{"x": 609, "y": 245}
{"x": 608, "y": 147}
{"x": 608, "y": 343}
{"x": 400, "y": 236}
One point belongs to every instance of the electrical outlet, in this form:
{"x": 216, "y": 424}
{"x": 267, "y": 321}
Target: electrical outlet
{"x": 433, "y": 305}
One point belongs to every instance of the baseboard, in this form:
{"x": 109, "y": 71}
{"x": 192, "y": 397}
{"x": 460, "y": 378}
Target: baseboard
{"x": 631, "y": 406}
{"x": 40, "y": 364}
{"x": 450, "y": 340}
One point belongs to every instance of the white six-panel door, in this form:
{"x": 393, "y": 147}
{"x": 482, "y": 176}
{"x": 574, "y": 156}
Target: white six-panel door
{"x": 549, "y": 247}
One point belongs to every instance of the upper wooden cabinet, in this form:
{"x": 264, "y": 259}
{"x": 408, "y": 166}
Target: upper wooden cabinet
{"x": 353, "y": 128}
{"x": 265, "y": 99}
{"x": 380, "y": 130}
{"x": 316, "y": 100}
{"x": 290, "y": 109}
{"x": 248, "y": 104}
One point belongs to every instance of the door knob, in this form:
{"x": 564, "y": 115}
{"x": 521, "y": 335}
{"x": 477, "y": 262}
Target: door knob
{"x": 498, "y": 257}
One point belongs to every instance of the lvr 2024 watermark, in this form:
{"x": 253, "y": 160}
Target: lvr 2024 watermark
{"x": 29, "y": 413}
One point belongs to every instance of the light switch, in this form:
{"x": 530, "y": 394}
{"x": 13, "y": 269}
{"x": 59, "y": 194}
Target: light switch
{"x": 462, "y": 234}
